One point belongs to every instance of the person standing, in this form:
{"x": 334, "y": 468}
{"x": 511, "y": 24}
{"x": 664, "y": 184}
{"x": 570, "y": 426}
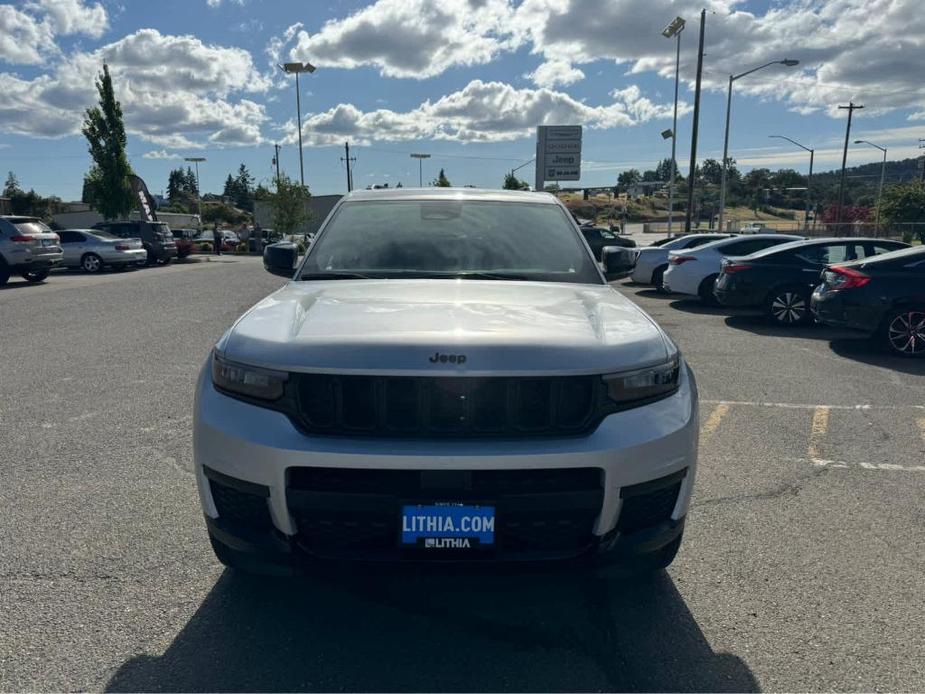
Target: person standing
{"x": 217, "y": 239}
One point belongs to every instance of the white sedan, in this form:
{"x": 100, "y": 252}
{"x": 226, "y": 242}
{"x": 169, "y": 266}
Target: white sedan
{"x": 695, "y": 270}
{"x": 652, "y": 261}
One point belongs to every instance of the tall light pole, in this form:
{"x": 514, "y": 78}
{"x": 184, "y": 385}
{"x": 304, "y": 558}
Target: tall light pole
{"x": 420, "y": 158}
{"x": 674, "y": 30}
{"x": 196, "y": 161}
{"x": 882, "y": 174}
{"x": 809, "y": 178}
{"x": 732, "y": 78}
{"x": 297, "y": 69}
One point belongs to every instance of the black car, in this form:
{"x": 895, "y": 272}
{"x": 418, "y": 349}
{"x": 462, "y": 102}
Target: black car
{"x": 780, "y": 279}
{"x": 600, "y": 237}
{"x": 156, "y": 238}
{"x": 883, "y": 297}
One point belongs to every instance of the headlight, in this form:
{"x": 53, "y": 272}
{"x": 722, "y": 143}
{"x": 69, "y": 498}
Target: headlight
{"x": 249, "y": 381}
{"x": 653, "y": 382}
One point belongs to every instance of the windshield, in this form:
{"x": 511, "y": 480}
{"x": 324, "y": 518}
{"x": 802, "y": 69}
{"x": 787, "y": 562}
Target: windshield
{"x": 30, "y": 228}
{"x": 452, "y": 238}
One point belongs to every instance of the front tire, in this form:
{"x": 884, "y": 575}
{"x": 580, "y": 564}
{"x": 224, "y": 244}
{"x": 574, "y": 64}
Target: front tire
{"x": 4, "y": 273}
{"x": 903, "y": 332}
{"x": 789, "y": 306}
{"x": 35, "y": 276}
{"x": 91, "y": 263}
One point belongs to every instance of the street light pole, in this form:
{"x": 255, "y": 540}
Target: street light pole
{"x": 809, "y": 178}
{"x": 196, "y": 161}
{"x": 732, "y": 78}
{"x": 297, "y": 69}
{"x": 882, "y": 175}
{"x": 674, "y": 29}
{"x": 420, "y": 158}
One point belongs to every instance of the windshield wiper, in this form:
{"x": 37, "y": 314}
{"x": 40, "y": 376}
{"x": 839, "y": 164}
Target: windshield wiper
{"x": 488, "y": 276}
{"x": 334, "y": 275}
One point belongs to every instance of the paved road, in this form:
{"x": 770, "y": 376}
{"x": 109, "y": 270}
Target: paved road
{"x": 801, "y": 569}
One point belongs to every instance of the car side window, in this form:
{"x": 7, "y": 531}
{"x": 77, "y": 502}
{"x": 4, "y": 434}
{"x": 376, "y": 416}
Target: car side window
{"x": 879, "y": 248}
{"x": 65, "y": 237}
{"x": 746, "y": 247}
{"x": 77, "y": 237}
{"x": 814, "y": 255}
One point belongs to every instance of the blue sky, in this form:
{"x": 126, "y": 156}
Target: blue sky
{"x": 464, "y": 80}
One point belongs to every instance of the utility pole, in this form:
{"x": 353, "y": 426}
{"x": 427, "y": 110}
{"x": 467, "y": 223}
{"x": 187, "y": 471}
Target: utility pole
{"x": 347, "y": 158}
{"x": 922, "y": 159}
{"x": 420, "y": 157}
{"x": 692, "y": 177}
{"x": 276, "y": 163}
{"x": 844, "y": 160}
{"x": 196, "y": 161}
{"x": 674, "y": 30}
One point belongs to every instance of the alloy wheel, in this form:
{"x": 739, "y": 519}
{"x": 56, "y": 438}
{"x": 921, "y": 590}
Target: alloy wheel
{"x": 788, "y": 307}
{"x": 91, "y": 263}
{"x": 906, "y": 332}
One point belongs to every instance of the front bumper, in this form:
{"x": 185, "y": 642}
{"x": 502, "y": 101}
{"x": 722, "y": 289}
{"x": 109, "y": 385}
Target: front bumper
{"x": 252, "y": 465}
{"x": 834, "y": 309}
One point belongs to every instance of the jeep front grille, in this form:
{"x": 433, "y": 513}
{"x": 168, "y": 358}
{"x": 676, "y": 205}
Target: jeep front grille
{"x": 464, "y": 407}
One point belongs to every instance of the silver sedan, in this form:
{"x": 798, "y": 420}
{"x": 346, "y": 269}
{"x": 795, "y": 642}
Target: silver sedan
{"x": 92, "y": 250}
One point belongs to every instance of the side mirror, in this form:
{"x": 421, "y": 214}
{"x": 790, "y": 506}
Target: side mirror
{"x": 280, "y": 258}
{"x": 618, "y": 262}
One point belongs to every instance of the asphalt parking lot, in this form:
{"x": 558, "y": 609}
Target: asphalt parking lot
{"x": 801, "y": 568}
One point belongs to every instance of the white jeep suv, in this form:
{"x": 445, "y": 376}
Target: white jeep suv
{"x": 447, "y": 377}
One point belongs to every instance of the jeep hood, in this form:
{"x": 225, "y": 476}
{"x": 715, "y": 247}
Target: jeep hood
{"x": 402, "y": 326}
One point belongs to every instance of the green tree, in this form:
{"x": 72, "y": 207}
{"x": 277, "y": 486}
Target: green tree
{"x": 904, "y": 203}
{"x": 442, "y": 181}
{"x": 11, "y": 187}
{"x": 107, "y": 185}
{"x": 290, "y": 205}
{"x": 711, "y": 171}
{"x": 664, "y": 169}
{"x": 189, "y": 182}
{"x": 649, "y": 176}
{"x": 628, "y": 178}
{"x": 511, "y": 182}
{"x": 230, "y": 190}
{"x": 244, "y": 183}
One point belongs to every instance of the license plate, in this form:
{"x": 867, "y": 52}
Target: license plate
{"x": 447, "y": 526}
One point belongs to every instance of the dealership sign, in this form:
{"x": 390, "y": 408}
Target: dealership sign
{"x": 558, "y": 153}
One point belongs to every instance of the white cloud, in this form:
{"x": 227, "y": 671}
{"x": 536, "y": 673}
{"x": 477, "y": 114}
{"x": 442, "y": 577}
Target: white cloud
{"x": 23, "y": 37}
{"x": 73, "y": 16}
{"x": 174, "y": 91}
{"x": 867, "y": 50}
{"x": 480, "y": 112}
{"x": 217, "y": 3}
{"x": 410, "y": 38}
{"x": 555, "y": 72}
{"x": 161, "y": 154}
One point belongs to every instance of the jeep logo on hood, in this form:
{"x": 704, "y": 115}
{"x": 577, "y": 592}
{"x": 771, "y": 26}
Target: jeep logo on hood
{"x": 447, "y": 358}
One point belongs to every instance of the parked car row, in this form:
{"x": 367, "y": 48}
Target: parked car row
{"x": 29, "y": 248}
{"x": 872, "y": 285}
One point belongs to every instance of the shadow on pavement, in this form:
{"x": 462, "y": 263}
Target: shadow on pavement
{"x": 696, "y": 306}
{"x": 377, "y": 631}
{"x": 761, "y": 325}
{"x": 869, "y": 352}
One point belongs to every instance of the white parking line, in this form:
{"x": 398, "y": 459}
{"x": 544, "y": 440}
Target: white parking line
{"x": 921, "y": 424}
{"x": 890, "y": 467}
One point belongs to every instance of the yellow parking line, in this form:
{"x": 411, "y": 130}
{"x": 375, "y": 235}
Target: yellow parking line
{"x": 820, "y": 427}
{"x": 716, "y": 416}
